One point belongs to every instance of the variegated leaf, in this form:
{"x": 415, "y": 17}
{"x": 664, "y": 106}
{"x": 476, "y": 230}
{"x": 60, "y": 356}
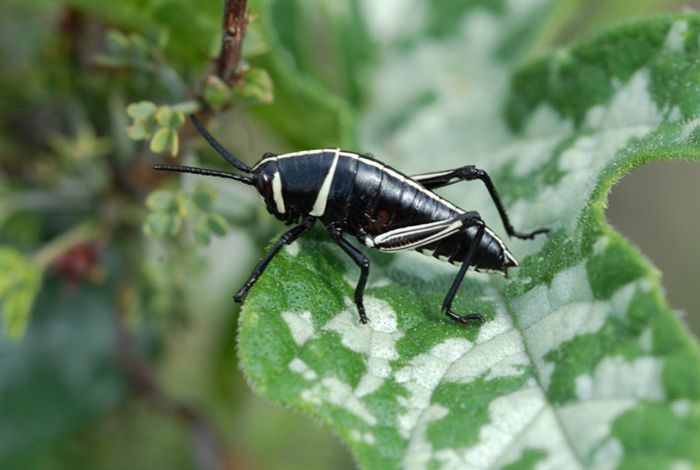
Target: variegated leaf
{"x": 580, "y": 364}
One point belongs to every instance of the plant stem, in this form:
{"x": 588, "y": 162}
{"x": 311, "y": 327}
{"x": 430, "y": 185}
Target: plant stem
{"x": 188, "y": 107}
{"x": 235, "y": 22}
{"x": 59, "y": 245}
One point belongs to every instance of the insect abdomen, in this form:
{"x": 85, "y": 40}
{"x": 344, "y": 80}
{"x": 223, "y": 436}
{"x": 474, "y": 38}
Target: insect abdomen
{"x": 382, "y": 199}
{"x": 490, "y": 255}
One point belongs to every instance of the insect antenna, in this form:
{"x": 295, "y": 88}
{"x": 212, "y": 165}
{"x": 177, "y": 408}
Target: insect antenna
{"x": 217, "y": 146}
{"x": 205, "y": 172}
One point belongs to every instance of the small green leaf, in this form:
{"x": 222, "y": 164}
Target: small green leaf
{"x": 177, "y": 119}
{"x": 141, "y": 111}
{"x": 174, "y": 142}
{"x": 255, "y": 43}
{"x": 257, "y": 87}
{"x": 161, "y": 200}
{"x": 159, "y": 141}
{"x": 164, "y": 116}
{"x": 217, "y": 224}
{"x": 138, "y": 47}
{"x": 202, "y": 234}
{"x": 160, "y": 224}
{"x": 216, "y": 93}
{"x": 19, "y": 284}
{"x": 117, "y": 42}
{"x": 203, "y": 196}
{"x": 137, "y": 131}
{"x": 176, "y": 224}
{"x": 185, "y": 205}
{"x": 169, "y": 117}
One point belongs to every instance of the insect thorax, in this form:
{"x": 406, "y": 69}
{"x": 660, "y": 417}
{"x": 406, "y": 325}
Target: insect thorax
{"x": 292, "y": 184}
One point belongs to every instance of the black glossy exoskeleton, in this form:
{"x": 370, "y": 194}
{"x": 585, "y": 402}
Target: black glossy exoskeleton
{"x": 383, "y": 208}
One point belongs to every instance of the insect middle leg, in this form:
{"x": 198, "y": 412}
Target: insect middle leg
{"x": 361, "y": 261}
{"x": 470, "y": 173}
{"x": 286, "y": 239}
{"x": 449, "y": 298}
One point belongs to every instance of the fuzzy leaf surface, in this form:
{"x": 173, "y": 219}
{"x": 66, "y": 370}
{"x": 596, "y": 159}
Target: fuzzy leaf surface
{"x": 581, "y": 364}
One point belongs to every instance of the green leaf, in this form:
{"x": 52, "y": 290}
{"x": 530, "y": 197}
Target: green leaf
{"x": 19, "y": 283}
{"x": 257, "y": 87}
{"x": 141, "y": 111}
{"x": 161, "y": 200}
{"x": 137, "y": 131}
{"x": 160, "y": 140}
{"x": 169, "y": 117}
{"x": 139, "y": 48}
{"x": 216, "y": 93}
{"x": 203, "y": 197}
{"x": 254, "y": 44}
{"x": 165, "y": 139}
{"x": 164, "y": 116}
{"x": 202, "y": 233}
{"x": 185, "y": 205}
{"x": 177, "y": 119}
{"x": 160, "y": 224}
{"x": 117, "y": 42}
{"x": 217, "y": 224}
{"x": 580, "y": 363}
{"x": 173, "y": 142}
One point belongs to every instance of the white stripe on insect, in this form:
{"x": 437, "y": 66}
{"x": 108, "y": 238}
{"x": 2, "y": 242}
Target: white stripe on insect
{"x": 355, "y": 156}
{"x": 446, "y": 232}
{"x": 426, "y": 176}
{"x": 419, "y": 187}
{"x": 498, "y": 240}
{"x": 322, "y": 197}
{"x": 277, "y": 192}
{"x": 411, "y": 230}
{"x": 292, "y": 154}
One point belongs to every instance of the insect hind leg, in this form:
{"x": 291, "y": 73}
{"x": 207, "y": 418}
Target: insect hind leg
{"x": 470, "y": 173}
{"x": 469, "y": 221}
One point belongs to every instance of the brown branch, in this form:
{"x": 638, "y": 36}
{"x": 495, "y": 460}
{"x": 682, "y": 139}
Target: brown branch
{"x": 235, "y": 22}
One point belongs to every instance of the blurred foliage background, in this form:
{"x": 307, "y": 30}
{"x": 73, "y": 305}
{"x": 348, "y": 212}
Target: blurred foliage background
{"x": 128, "y": 356}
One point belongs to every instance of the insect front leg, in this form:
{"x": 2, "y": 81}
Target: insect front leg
{"x": 361, "y": 261}
{"x": 470, "y": 173}
{"x": 447, "y": 303}
{"x": 286, "y": 239}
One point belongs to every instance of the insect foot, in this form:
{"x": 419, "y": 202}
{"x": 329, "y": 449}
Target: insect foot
{"x": 465, "y": 318}
{"x": 363, "y": 316}
{"x": 238, "y": 297}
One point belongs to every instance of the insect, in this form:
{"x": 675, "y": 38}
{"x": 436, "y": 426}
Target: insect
{"x": 352, "y": 193}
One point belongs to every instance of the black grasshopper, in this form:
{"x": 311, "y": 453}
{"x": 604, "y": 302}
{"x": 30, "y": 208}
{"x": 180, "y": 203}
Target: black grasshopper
{"x": 383, "y": 208}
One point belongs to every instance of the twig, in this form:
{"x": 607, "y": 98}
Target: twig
{"x": 48, "y": 253}
{"x": 235, "y": 22}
